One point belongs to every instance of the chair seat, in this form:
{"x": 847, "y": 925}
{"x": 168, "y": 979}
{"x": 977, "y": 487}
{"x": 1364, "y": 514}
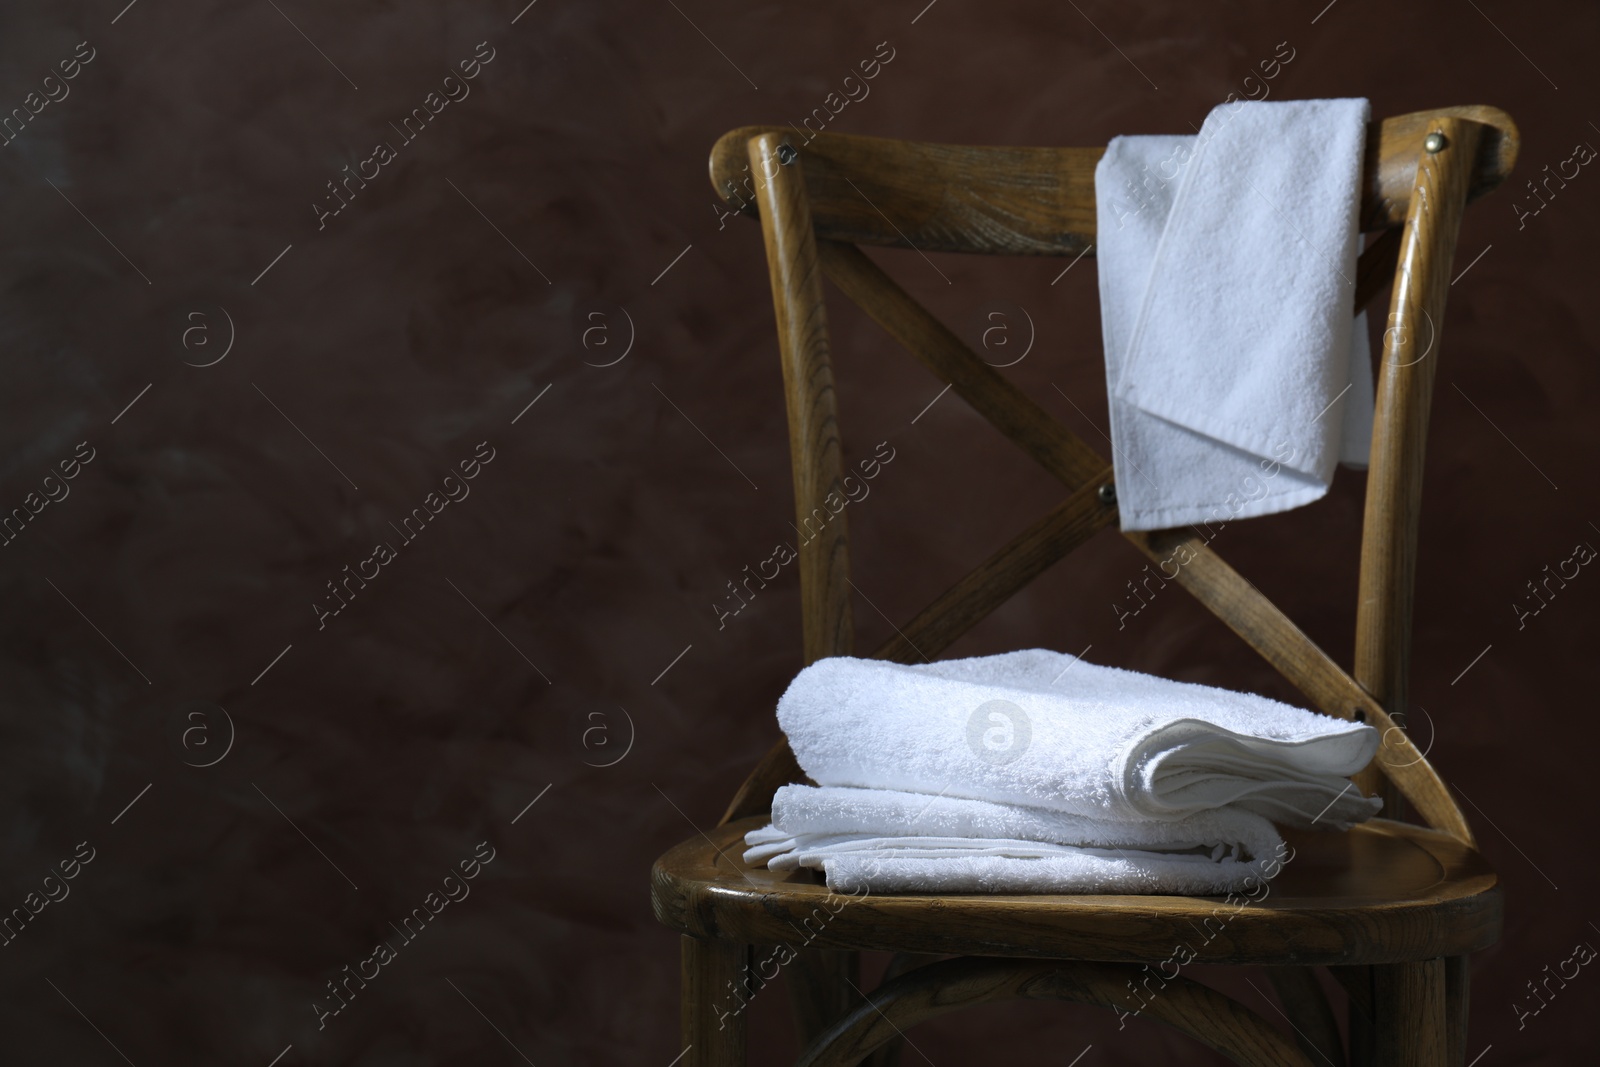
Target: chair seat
{"x": 1385, "y": 892}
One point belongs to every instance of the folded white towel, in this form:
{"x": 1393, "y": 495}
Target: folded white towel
{"x": 888, "y": 841}
{"x": 1048, "y": 730}
{"x": 1082, "y": 873}
{"x": 1236, "y": 376}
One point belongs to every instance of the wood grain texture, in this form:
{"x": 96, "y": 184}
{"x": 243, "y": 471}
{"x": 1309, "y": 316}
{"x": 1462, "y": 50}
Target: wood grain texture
{"x": 1376, "y": 265}
{"x": 823, "y": 986}
{"x": 1375, "y": 269}
{"x": 953, "y": 613}
{"x": 1248, "y": 612}
{"x": 946, "y": 198}
{"x": 1371, "y": 902}
{"x": 818, "y": 986}
{"x": 1457, "y": 1007}
{"x": 990, "y": 393}
{"x": 814, "y": 446}
{"x": 1411, "y": 353}
{"x": 1384, "y": 892}
{"x": 715, "y": 986}
{"x": 1395, "y": 148}
{"x": 993, "y": 582}
{"x": 952, "y": 985}
{"x": 1316, "y": 1029}
{"x": 1411, "y": 1029}
{"x": 1073, "y": 462}
{"x": 986, "y": 587}
{"x": 1036, "y": 201}
{"x": 1357, "y": 983}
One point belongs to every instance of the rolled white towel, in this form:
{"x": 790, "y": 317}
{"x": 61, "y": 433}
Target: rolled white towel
{"x": 1047, "y": 730}
{"x": 888, "y": 841}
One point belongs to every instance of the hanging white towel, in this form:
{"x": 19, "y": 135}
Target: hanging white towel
{"x": 1237, "y": 375}
{"x": 1048, "y": 730}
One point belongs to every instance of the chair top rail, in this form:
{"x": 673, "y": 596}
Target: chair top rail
{"x": 1038, "y": 201}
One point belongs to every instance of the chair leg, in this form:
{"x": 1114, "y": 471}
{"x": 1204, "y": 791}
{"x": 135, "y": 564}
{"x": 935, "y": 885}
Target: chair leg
{"x": 1457, "y": 997}
{"x": 715, "y": 989}
{"x": 1357, "y": 982}
{"x": 1316, "y": 1030}
{"x": 891, "y": 1053}
{"x": 1361, "y": 1037}
{"x": 822, "y": 987}
{"x": 1411, "y": 1025}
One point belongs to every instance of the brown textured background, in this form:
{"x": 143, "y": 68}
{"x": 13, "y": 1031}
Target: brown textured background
{"x": 408, "y": 331}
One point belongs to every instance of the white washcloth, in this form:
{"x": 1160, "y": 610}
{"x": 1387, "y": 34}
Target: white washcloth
{"x": 888, "y": 841}
{"x": 1045, "y": 729}
{"x": 1237, "y": 378}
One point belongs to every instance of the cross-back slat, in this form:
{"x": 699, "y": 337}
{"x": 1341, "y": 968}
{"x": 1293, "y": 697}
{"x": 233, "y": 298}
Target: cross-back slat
{"x": 990, "y": 584}
{"x": 1431, "y": 215}
{"x": 1060, "y": 530}
{"x": 1220, "y": 588}
{"x": 1247, "y": 612}
{"x": 933, "y": 344}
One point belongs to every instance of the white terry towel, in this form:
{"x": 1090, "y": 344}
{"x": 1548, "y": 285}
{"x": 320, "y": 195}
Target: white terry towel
{"x": 1045, "y": 729}
{"x": 1237, "y": 375}
{"x": 888, "y": 841}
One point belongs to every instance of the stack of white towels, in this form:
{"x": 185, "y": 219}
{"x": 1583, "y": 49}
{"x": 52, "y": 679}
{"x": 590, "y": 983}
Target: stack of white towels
{"x": 1037, "y": 771}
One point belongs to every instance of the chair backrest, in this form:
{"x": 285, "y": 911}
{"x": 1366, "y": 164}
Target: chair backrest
{"x": 818, "y": 198}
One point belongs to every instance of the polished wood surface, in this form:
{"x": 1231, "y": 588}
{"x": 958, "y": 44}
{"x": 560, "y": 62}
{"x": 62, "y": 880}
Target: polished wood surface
{"x": 1385, "y": 892}
{"x": 936, "y": 346}
{"x": 1411, "y": 1027}
{"x": 1061, "y": 453}
{"x": 1030, "y": 553}
{"x": 1404, "y": 395}
{"x": 990, "y": 584}
{"x": 1316, "y": 1027}
{"x": 715, "y": 988}
{"x": 1393, "y": 908}
{"x": 1037, "y": 201}
{"x": 1247, "y": 611}
{"x": 820, "y": 981}
{"x": 809, "y": 395}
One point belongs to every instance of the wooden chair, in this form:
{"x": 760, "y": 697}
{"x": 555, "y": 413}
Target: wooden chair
{"x": 1392, "y": 908}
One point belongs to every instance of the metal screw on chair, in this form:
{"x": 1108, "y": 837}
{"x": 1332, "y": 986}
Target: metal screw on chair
{"x": 1434, "y": 142}
{"x": 1107, "y": 493}
{"x": 787, "y": 154}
